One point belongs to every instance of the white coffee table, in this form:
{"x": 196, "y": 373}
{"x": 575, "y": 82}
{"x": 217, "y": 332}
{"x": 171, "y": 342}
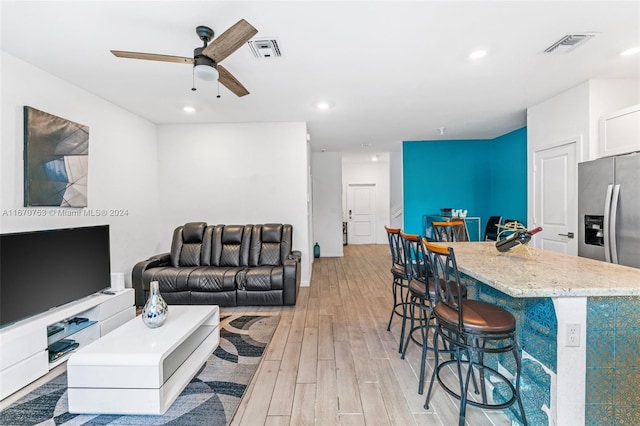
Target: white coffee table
{"x": 140, "y": 370}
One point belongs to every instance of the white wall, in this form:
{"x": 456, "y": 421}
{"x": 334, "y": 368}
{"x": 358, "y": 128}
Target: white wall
{"x": 326, "y": 172}
{"x": 309, "y": 208}
{"x": 363, "y": 170}
{"x": 607, "y": 96}
{"x": 574, "y": 114}
{"x": 558, "y": 119}
{"x": 122, "y": 162}
{"x": 396, "y": 218}
{"x": 235, "y": 174}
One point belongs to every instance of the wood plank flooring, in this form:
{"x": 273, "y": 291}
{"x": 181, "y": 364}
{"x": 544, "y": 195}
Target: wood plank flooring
{"x": 332, "y": 361}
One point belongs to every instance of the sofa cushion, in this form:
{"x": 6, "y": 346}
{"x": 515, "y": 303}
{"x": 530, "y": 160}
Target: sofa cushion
{"x": 270, "y": 244}
{"x": 213, "y": 279}
{"x": 192, "y": 232}
{"x": 272, "y": 233}
{"x": 230, "y": 245}
{"x": 178, "y": 298}
{"x": 261, "y": 278}
{"x": 260, "y": 298}
{"x": 169, "y": 279}
{"x": 187, "y": 244}
{"x": 270, "y": 254}
{"x": 220, "y": 298}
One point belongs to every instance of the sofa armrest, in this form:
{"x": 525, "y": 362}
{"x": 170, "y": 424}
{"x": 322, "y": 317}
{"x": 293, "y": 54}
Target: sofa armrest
{"x": 291, "y": 282}
{"x": 139, "y": 268}
{"x": 295, "y": 254}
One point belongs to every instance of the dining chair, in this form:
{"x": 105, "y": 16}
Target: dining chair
{"x": 452, "y": 231}
{"x": 491, "y": 231}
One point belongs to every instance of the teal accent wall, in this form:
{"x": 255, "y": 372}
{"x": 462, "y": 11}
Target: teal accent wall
{"x": 485, "y": 176}
{"x": 509, "y": 176}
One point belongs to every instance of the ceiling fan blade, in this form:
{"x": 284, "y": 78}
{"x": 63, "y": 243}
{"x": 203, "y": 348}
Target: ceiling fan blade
{"x": 229, "y": 41}
{"x": 230, "y": 82}
{"x": 152, "y": 57}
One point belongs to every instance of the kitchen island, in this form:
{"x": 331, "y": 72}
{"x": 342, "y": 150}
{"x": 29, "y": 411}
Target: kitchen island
{"x": 578, "y": 326}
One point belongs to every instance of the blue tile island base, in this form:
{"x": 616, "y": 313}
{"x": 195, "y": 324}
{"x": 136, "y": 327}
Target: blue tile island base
{"x": 592, "y": 376}
{"x": 613, "y": 361}
{"x": 537, "y": 337}
{"x": 612, "y": 386}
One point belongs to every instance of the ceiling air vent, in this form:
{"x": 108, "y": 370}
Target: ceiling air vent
{"x": 569, "y": 42}
{"x": 265, "y": 48}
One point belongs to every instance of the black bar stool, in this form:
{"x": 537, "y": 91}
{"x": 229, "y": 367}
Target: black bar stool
{"x": 472, "y": 329}
{"x": 399, "y": 284}
{"x": 421, "y": 297}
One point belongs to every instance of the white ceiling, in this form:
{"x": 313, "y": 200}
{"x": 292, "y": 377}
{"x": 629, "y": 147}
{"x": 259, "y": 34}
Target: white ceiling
{"x": 391, "y": 70}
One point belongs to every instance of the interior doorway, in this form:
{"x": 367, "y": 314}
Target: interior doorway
{"x": 361, "y": 213}
{"x": 555, "y": 198}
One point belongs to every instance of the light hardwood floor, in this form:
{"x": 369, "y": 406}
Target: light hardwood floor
{"x": 332, "y": 361}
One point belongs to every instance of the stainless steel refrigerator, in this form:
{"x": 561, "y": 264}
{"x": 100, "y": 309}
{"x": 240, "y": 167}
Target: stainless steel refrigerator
{"x": 609, "y": 209}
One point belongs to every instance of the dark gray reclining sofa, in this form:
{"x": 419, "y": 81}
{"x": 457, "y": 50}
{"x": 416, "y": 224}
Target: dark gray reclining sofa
{"x": 225, "y": 265}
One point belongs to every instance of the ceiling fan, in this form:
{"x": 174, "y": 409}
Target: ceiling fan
{"x": 206, "y": 59}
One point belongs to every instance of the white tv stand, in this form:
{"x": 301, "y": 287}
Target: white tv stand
{"x": 24, "y": 355}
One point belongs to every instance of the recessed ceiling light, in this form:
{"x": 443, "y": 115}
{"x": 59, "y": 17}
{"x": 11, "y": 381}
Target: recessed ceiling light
{"x": 374, "y": 158}
{"x": 189, "y": 109}
{"x": 630, "y": 51}
{"x": 477, "y": 54}
{"x": 323, "y": 106}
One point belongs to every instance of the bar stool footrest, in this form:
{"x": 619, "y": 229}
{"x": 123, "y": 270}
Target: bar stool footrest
{"x": 484, "y": 405}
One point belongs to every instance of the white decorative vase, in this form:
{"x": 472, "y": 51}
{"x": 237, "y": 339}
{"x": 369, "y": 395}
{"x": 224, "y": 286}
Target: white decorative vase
{"x": 155, "y": 311}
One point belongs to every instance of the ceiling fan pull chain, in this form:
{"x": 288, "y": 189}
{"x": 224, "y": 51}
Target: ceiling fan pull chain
{"x": 193, "y": 79}
{"x": 218, "y": 89}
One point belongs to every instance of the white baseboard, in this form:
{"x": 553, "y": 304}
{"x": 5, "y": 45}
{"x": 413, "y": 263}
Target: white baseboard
{"x": 332, "y": 254}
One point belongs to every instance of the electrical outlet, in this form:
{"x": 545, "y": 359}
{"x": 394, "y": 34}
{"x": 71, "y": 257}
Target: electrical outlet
{"x": 573, "y": 335}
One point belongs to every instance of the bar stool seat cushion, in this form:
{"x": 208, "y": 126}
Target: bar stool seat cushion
{"x": 419, "y": 288}
{"x": 398, "y": 271}
{"x": 478, "y": 317}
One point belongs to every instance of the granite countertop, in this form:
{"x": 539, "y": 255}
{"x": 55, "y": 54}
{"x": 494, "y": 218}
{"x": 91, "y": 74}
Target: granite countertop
{"x": 543, "y": 273}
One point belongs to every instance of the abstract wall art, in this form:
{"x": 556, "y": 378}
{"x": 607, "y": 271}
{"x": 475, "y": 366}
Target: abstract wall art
{"x": 56, "y": 159}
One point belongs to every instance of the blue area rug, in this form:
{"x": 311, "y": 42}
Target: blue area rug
{"x": 210, "y": 399}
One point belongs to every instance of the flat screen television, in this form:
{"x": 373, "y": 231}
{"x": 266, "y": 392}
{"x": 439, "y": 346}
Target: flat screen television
{"x": 41, "y": 270}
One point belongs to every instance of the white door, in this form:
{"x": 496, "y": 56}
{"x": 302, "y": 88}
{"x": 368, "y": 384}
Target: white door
{"x": 361, "y": 213}
{"x": 555, "y": 198}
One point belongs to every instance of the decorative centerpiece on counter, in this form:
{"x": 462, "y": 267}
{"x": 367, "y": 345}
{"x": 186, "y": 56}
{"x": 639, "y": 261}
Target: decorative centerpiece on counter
{"x": 459, "y": 213}
{"x": 520, "y": 236}
{"x": 155, "y": 311}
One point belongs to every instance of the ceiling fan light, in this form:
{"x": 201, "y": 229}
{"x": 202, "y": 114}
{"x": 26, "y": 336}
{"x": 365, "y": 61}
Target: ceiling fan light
{"x": 630, "y": 51}
{"x": 205, "y": 72}
{"x": 477, "y": 54}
